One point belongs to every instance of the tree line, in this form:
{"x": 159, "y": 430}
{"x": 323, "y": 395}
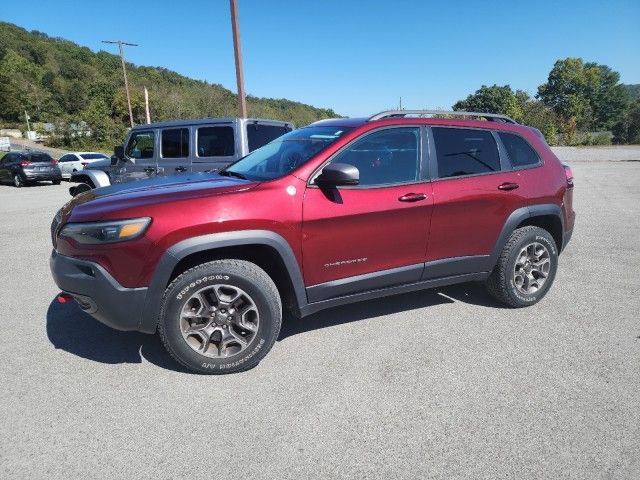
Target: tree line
{"x": 57, "y": 81}
{"x": 578, "y": 98}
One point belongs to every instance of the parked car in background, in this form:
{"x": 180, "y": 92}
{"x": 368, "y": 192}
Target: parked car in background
{"x": 76, "y": 161}
{"x": 180, "y": 146}
{"x": 29, "y": 166}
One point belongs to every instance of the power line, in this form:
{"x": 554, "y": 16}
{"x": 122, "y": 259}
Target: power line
{"x": 120, "y": 43}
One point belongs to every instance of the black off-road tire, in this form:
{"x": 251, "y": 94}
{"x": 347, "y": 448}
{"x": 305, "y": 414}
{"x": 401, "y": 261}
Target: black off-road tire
{"x": 237, "y": 273}
{"x": 56, "y": 182}
{"x": 501, "y": 284}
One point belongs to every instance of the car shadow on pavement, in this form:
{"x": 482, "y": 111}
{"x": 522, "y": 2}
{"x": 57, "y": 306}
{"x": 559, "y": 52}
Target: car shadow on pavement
{"x": 72, "y": 330}
{"x": 76, "y": 332}
{"x": 472, "y": 293}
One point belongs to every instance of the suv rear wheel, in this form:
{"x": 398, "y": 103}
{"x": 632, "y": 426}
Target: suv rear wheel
{"x": 220, "y": 317}
{"x": 526, "y": 268}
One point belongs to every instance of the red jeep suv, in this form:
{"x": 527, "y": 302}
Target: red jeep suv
{"x": 337, "y": 212}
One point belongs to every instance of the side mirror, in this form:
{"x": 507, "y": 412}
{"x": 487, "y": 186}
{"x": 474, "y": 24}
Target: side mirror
{"x": 118, "y": 154}
{"x": 338, "y": 174}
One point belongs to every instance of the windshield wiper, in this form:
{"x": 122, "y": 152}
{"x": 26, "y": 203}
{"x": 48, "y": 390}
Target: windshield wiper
{"x": 231, "y": 173}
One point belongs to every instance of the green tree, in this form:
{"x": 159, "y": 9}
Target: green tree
{"x": 588, "y": 93}
{"x": 493, "y": 99}
{"x": 627, "y": 130}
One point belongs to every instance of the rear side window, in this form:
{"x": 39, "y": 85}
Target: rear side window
{"x": 520, "y": 152}
{"x": 141, "y": 145}
{"x": 259, "y": 135}
{"x": 67, "y": 158}
{"x": 216, "y": 142}
{"x": 93, "y": 156}
{"x": 175, "y": 143}
{"x": 462, "y": 151}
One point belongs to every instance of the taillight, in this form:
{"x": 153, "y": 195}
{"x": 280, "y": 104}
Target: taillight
{"x": 24, "y": 163}
{"x": 569, "y": 175}
{"x": 54, "y": 162}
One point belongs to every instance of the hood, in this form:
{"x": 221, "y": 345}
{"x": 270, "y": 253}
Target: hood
{"x": 95, "y": 204}
{"x": 99, "y": 165}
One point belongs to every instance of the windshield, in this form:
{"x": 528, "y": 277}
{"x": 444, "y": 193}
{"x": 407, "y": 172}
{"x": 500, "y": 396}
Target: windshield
{"x": 285, "y": 153}
{"x": 92, "y": 156}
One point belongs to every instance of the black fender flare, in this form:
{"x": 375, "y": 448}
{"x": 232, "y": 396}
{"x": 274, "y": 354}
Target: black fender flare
{"x": 180, "y": 250}
{"x": 516, "y": 218}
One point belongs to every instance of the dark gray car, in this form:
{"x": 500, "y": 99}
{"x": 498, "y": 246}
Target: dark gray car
{"x": 20, "y": 168}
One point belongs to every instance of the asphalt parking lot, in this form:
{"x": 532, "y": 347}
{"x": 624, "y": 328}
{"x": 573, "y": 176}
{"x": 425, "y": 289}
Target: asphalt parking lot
{"x": 436, "y": 384}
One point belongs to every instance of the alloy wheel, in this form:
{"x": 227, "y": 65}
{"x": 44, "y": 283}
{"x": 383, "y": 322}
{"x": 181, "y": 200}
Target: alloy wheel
{"x": 219, "y": 321}
{"x": 532, "y": 268}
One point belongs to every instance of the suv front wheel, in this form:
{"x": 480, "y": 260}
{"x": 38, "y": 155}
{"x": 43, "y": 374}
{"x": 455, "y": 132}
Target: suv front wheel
{"x": 220, "y": 317}
{"x": 525, "y": 269}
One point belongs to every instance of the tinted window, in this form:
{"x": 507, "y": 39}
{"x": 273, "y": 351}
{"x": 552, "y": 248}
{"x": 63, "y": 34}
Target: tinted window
{"x": 141, "y": 145}
{"x": 216, "y": 142}
{"x": 93, "y": 156}
{"x": 67, "y": 158}
{"x": 259, "y": 135}
{"x": 462, "y": 151}
{"x": 386, "y": 157}
{"x": 40, "y": 158}
{"x": 175, "y": 143}
{"x": 520, "y": 152}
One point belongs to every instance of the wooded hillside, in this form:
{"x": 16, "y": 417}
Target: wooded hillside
{"x": 60, "y": 82}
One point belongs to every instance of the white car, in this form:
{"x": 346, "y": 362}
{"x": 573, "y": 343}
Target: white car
{"x": 76, "y": 161}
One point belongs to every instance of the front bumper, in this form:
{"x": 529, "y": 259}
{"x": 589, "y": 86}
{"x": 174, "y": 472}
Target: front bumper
{"x": 98, "y": 293}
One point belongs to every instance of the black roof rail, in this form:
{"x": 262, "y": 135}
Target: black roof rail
{"x": 492, "y": 117}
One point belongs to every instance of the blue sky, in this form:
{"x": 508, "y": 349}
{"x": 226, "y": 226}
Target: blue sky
{"x": 356, "y": 57}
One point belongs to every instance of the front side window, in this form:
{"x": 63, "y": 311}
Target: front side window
{"x": 387, "y": 157}
{"x": 175, "y": 143}
{"x": 286, "y": 153}
{"x": 259, "y": 134}
{"x": 520, "y": 152}
{"x": 465, "y": 151}
{"x": 216, "y": 142}
{"x": 141, "y": 145}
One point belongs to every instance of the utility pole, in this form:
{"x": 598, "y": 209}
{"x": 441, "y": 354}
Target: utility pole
{"x": 146, "y": 104}
{"x": 120, "y": 43}
{"x": 237, "y": 50}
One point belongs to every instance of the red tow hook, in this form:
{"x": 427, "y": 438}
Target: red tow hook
{"x": 64, "y": 298}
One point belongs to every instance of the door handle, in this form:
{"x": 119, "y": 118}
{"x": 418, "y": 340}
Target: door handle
{"x": 149, "y": 169}
{"x": 413, "y": 197}
{"x": 506, "y": 186}
{"x": 181, "y": 169}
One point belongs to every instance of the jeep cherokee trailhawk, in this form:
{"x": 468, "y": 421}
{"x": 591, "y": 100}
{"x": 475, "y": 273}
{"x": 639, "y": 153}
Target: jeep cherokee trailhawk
{"x": 337, "y": 212}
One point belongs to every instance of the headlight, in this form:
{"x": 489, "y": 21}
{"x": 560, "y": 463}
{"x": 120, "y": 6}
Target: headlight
{"x": 106, "y": 232}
